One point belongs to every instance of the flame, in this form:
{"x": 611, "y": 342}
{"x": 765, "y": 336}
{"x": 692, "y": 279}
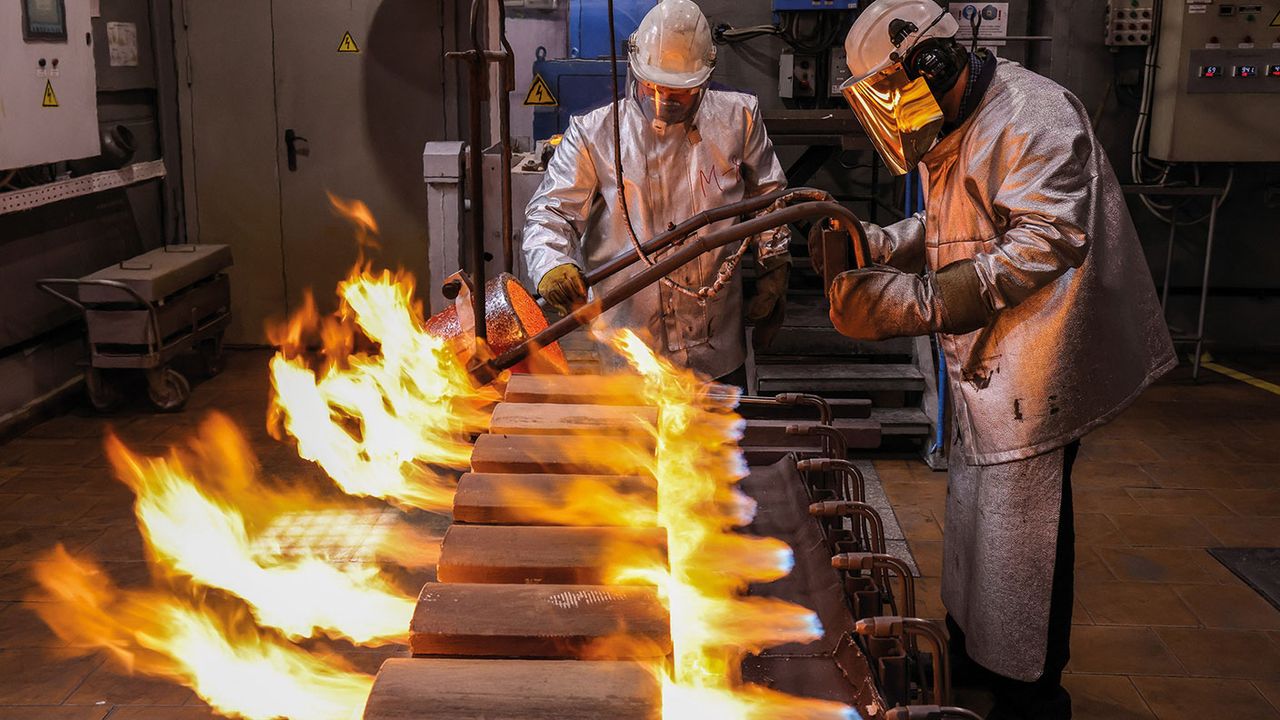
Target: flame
{"x": 359, "y": 215}
{"x": 191, "y": 531}
{"x": 697, "y": 465}
{"x": 238, "y": 670}
{"x": 382, "y": 424}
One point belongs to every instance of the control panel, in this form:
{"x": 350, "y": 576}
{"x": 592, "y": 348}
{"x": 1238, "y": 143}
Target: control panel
{"x": 1217, "y": 82}
{"x": 1129, "y": 22}
{"x": 48, "y": 87}
{"x": 797, "y": 75}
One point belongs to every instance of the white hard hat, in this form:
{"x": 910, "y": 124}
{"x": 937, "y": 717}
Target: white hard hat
{"x": 672, "y": 47}
{"x": 870, "y": 41}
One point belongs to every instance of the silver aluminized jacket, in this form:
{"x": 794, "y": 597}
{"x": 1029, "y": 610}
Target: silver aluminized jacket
{"x": 576, "y": 217}
{"x": 1024, "y": 189}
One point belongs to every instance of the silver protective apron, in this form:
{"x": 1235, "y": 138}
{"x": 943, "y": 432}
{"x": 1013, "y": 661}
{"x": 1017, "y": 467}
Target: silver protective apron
{"x": 1024, "y": 189}
{"x": 576, "y": 217}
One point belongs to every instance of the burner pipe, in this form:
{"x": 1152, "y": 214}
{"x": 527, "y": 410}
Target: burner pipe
{"x": 675, "y": 260}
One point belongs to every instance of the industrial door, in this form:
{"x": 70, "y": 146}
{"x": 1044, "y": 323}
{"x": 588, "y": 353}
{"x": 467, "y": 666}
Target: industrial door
{"x": 291, "y": 100}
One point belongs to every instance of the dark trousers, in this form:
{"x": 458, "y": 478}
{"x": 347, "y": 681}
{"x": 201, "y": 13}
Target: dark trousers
{"x": 1023, "y": 696}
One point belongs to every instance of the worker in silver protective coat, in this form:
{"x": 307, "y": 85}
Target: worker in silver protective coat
{"x": 685, "y": 148}
{"x": 1026, "y": 265}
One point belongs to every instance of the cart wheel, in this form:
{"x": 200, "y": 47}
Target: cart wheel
{"x": 211, "y": 355}
{"x": 168, "y": 389}
{"x": 104, "y": 395}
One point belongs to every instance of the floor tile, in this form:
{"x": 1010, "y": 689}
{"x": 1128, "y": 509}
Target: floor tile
{"x": 140, "y": 712}
{"x": 1119, "y": 650}
{"x": 1270, "y": 690}
{"x": 1105, "y": 697}
{"x": 1251, "y": 502}
{"x": 1177, "y": 501}
{"x": 110, "y": 685}
{"x": 1096, "y": 529}
{"x": 1111, "y": 501}
{"x": 1117, "y": 449}
{"x": 1244, "y": 531}
{"x": 1188, "y": 698}
{"x": 1173, "y": 449}
{"x": 918, "y": 524}
{"x": 1164, "y": 565}
{"x": 54, "y": 712}
{"x": 38, "y": 677}
{"x": 928, "y": 555}
{"x": 19, "y": 541}
{"x": 21, "y": 627}
{"x": 1121, "y": 603}
{"x": 1108, "y": 473}
{"x": 1193, "y": 475}
{"x": 1163, "y": 530}
{"x": 1223, "y": 653}
{"x": 1089, "y": 567}
{"x": 1230, "y": 606}
{"x": 55, "y": 509}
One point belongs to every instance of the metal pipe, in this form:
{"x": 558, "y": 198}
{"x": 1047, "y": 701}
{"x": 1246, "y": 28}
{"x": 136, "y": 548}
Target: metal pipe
{"x": 507, "y": 83}
{"x": 844, "y": 508}
{"x": 692, "y": 249}
{"x": 475, "y": 168}
{"x": 672, "y": 235}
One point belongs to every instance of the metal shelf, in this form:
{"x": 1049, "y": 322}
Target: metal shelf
{"x": 28, "y": 198}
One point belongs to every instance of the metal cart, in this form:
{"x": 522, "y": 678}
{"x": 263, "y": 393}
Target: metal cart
{"x": 143, "y": 312}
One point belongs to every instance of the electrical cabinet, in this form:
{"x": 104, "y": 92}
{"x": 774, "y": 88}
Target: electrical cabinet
{"x": 1217, "y": 83}
{"x": 48, "y": 93}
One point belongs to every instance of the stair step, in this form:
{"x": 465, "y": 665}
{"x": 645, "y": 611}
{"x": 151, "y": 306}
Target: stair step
{"x": 902, "y": 421}
{"x": 839, "y": 377}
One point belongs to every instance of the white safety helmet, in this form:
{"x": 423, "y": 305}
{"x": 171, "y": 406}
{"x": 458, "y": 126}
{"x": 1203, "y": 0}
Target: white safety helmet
{"x": 672, "y": 48}
{"x": 870, "y": 44}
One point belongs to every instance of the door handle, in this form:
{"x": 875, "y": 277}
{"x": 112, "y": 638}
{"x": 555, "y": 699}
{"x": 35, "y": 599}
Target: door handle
{"x": 291, "y": 150}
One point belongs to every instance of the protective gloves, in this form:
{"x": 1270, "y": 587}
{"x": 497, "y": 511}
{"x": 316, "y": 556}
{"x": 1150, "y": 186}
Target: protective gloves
{"x": 880, "y": 302}
{"x": 768, "y": 307}
{"x": 564, "y": 286}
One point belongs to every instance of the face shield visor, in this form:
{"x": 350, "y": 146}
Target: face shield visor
{"x": 665, "y": 106}
{"x": 898, "y": 113}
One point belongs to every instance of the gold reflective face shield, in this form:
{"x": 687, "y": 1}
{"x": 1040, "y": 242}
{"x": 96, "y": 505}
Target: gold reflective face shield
{"x": 899, "y": 114}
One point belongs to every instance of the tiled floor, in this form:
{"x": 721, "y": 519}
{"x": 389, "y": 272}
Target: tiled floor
{"x": 1162, "y": 630}
{"x": 56, "y": 487}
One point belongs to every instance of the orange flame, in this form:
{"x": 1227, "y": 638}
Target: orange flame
{"x": 383, "y": 424}
{"x": 697, "y": 465}
{"x": 240, "y": 671}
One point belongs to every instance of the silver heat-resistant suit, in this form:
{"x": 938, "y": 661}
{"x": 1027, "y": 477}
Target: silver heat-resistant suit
{"x": 1024, "y": 189}
{"x": 670, "y": 176}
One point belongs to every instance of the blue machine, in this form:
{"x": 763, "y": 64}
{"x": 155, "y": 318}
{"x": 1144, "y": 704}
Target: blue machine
{"x": 577, "y": 85}
{"x": 589, "y": 25}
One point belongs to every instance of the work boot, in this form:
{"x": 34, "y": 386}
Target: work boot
{"x": 1054, "y": 706}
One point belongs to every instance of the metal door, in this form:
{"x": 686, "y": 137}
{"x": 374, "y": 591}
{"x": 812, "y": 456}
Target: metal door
{"x": 362, "y": 82}
{"x": 286, "y": 101}
{"x": 227, "y": 111}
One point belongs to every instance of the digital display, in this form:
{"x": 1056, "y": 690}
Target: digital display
{"x": 44, "y": 19}
{"x": 1246, "y": 71}
{"x": 1210, "y": 71}
{"x": 1273, "y": 71}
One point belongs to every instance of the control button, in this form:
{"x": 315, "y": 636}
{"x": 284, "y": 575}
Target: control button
{"x": 41, "y": 62}
{"x": 55, "y": 62}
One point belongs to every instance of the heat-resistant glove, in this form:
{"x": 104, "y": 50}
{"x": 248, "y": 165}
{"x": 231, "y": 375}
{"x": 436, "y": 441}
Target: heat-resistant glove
{"x": 565, "y": 287}
{"x": 880, "y": 302}
{"x": 768, "y": 307}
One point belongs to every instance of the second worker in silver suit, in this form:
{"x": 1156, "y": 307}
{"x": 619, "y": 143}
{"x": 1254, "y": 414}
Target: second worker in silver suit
{"x": 685, "y": 148}
{"x": 1026, "y": 265}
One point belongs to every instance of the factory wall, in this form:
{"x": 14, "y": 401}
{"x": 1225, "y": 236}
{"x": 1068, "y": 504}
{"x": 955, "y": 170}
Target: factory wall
{"x": 40, "y": 339}
{"x": 1244, "y": 302}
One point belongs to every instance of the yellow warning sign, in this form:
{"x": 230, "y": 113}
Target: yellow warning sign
{"x": 50, "y": 100}
{"x": 539, "y": 93}
{"x": 1275, "y": 21}
{"x": 348, "y": 43}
